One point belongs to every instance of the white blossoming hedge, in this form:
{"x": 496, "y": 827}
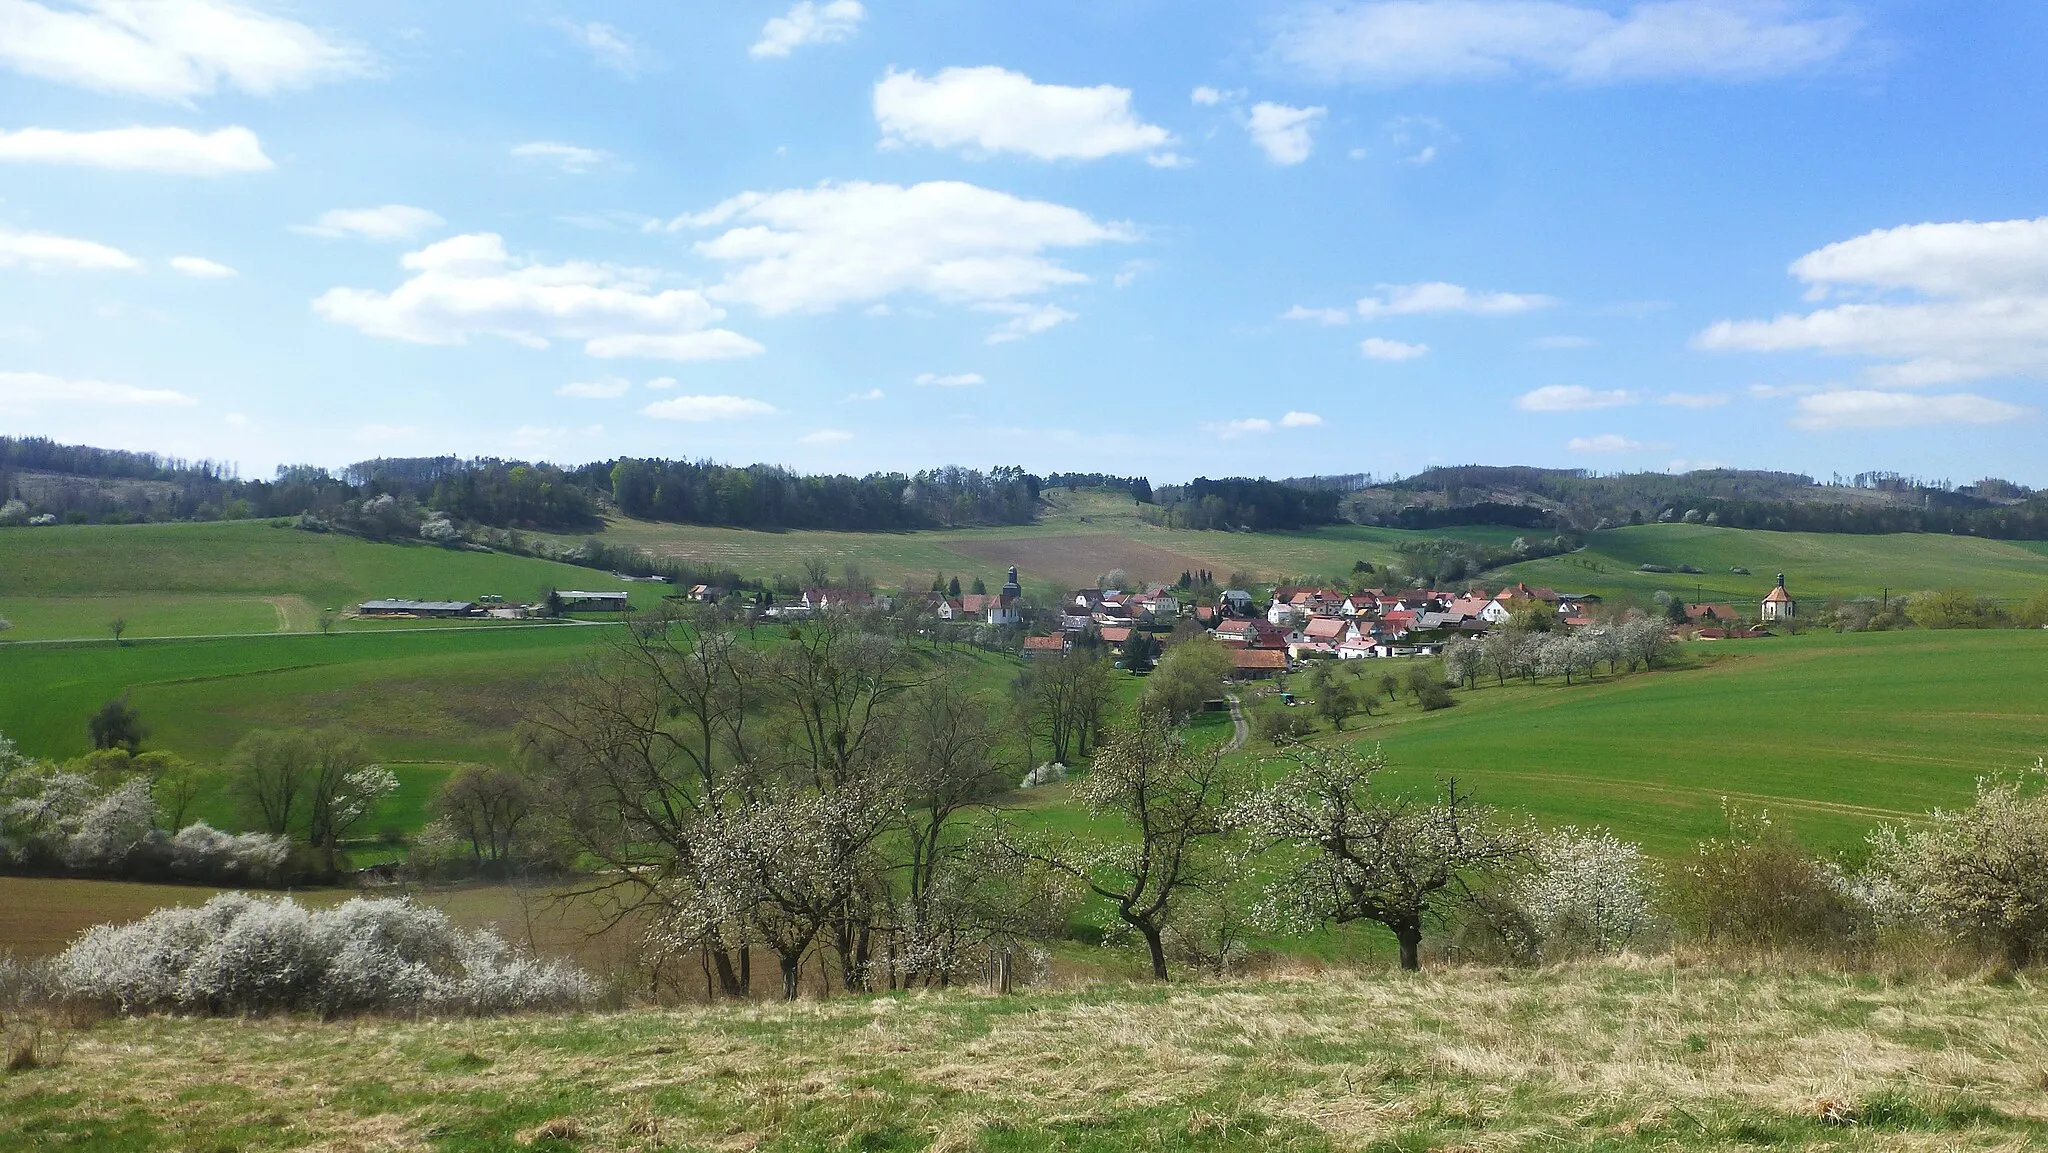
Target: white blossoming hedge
{"x": 243, "y": 954}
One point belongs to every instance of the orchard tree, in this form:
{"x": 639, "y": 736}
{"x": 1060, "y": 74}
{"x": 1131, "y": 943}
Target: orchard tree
{"x": 1188, "y": 676}
{"x": 1366, "y": 856}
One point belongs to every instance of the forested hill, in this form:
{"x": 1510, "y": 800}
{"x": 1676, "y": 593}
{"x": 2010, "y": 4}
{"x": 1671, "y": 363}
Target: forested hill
{"x": 76, "y": 483}
{"x": 1873, "y": 502}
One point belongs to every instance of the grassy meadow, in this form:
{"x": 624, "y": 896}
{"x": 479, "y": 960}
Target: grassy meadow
{"x": 165, "y": 580}
{"x": 1610, "y": 1057}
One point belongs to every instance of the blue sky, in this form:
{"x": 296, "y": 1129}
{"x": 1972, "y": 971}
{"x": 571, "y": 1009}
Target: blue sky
{"x": 1176, "y": 239}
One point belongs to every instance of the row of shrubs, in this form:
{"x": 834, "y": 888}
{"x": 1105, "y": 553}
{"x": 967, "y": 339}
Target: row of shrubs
{"x": 66, "y": 823}
{"x": 240, "y": 954}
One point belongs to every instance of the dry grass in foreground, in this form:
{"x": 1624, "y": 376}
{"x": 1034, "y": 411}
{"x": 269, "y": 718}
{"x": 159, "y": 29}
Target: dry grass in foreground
{"x": 1606, "y": 1056}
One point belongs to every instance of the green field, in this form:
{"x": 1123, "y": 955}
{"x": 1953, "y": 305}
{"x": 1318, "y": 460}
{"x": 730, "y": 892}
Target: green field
{"x": 415, "y": 695}
{"x": 1817, "y": 565}
{"x": 68, "y": 581}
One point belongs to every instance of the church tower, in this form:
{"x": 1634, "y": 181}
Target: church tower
{"x": 1010, "y": 587}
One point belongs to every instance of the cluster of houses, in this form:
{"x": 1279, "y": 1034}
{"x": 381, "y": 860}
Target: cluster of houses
{"x": 1309, "y": 623}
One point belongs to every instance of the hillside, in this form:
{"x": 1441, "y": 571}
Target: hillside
{"x": 67, "y": 581}
{"x": 1616, "y": 1057}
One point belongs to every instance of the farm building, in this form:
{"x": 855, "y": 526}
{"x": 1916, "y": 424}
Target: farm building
{"x": 1051, "y": 646}
{"x": 404, "y": 608}
{"x": 583, "y": 602}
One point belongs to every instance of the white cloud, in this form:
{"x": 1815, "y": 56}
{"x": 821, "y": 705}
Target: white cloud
{"x": 1208, "y": 97}
{"x": 1320, "y": 315}
{"x": 1556, "y": 343}
{"x": 169, "y": 49}
{"x": 935, "y": 380}
{"x": 661, "y": 383}
{"x": 200, "y": 268}
{"x": 26, "y": 389}
{"x": 1300, "y": 420}
{"x": 1418, "y": 140}
{"x": 1285, "y": 134}
{"x": 389, "y": 222}
{"x": 992, "y": 110}
{"x": 1231, "y": 429}
{"x": 1409, "y": 41}
{"x": 42, "y": 252}
{"x": 175, "y": 151}
{"x": 1606, "y": 442}
{"x": 826, "y": 436}
{"x": 1571, "y": 398}
{"x": 568, "y": 157}
{"x": 471, "y": 286}
{"x": 815, "y": 249}
{"x": 1695, "y": 400}
{"x": 607, "y": 45}
{"x": 1437, "y": 297}
{"x": 808, "y": 22}
{"x": 603, "y": 388}
{"x": 862, "y": 397}
{"x": 1025, "y": 320}
{"x": 700, "y": 409}
{"x": 1979, "y": 305}
{"x": 1869, "y": 408}
{"x": 1130, "y": 272}
{"x": 1374, "y": 348}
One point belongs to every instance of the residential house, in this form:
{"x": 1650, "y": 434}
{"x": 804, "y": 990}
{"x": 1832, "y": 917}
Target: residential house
{"x": 1051, "y": 646}
{"x": 1237, "y": 602}
{"x": 1258, "y": 664}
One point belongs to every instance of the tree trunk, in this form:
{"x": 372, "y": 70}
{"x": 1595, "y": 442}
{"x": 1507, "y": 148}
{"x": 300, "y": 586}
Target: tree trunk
{"x": 730, "y": 984}
{"x": 792, "y": 970}
{"x": 1410, "y": 937}
{"x": 1157, "y": 948}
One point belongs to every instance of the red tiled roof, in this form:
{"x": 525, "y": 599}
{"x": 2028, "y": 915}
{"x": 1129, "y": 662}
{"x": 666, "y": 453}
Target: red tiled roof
{"x": 1116, "y": 636}
{"x": 1324, "y": 629}
{"x": 1051, "y": 644}
{"x": 1259, "y": 659}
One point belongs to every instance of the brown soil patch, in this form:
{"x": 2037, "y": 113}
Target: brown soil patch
{"x": 1078, "y": 560}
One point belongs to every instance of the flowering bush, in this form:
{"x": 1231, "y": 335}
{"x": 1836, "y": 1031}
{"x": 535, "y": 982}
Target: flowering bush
{"x": 1978, "y": 874}
{"x": 238, "y": 954}
{"x": 1583, "y": 892}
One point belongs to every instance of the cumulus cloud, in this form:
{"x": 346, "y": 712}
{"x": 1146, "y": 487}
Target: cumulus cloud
{"x": 1394, "y": 42}
{"x": 174, "y": 151}
{"x": 1606, "y": 442}
{"x": 1870, "y": 408}
{"x": 991, "y": 110}
{"x": 1437, "y": 297}
{"x": 1374, "y": 348}
{"x": 826, "y": 436}
{"x": 471, "y": 286}
{"x": 1251, "y": 425}
{"x": 606, "y": 45}
{"x": 1286, "y": 135}
{"x": 21, "y": 390}
{"x": 603, "y": 388}
{"x": 169, "y": 49}
{"x": 200, "y": 268}
{"x": 42, "y": 252}
{"x": 1231, "y": 429}
{"x": 1571, "y": 398}
{"x": 701, "y": 409}
{"x": 662, "y": 382}
{"x": 1695, "y": 400}
{"x": 389, "y": 222}
{"x": 808, "y": 22}
{"x": 1208, "y": 97}
{"x": 1934, "y": 303}
{"x": 862, "y": 397}
{"x": 1025, "y": 320}
{"x": 935, "y": 380}
{"x": 815, "y": 249}
{"x": 1319, "y": 315}
{"x": 568, "y": 157}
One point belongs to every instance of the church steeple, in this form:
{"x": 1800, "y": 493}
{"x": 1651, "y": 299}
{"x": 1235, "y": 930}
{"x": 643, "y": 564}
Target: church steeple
{"x": 1010, "y": 587}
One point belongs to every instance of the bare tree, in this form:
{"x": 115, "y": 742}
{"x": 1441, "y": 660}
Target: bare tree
{"x": 1064, "y": 700}
{"x": 1173, "y": 799}
{"x": 949, "y": 744}
{"x": 486, "y": 807}
{"x": 1389, "y": 859}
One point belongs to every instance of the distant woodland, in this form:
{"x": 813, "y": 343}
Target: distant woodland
{"x": 40, "y": 478}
